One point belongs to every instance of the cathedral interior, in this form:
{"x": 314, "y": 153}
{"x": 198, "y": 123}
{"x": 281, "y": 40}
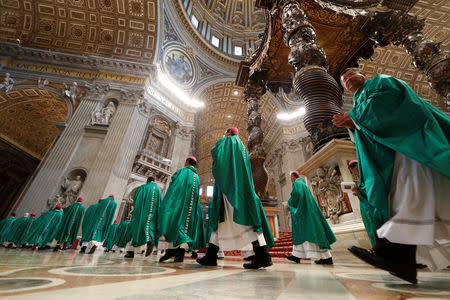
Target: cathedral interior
{"x": 98, "y": 95}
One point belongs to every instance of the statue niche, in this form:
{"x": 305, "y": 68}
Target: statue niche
{"x": 103, "y": 114}
{"x": 69, "y": 189}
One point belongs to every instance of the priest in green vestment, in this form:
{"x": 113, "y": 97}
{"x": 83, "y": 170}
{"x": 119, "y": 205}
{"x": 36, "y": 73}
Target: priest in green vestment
{"x": 70, "y": 224}
{"x": 403, "y": 150}
{"x": 144, "y": 220}
{"x": 45, "y": 228}
{"x": 5, "y": 227}
{"x": 311, "y": 235}
{"x": 101, "y": 220}
{"x": 108, "y": 244}
{"x": 123, "y": 235}
{"x": 180, "y": 218}
{"x": 24, "y": 230}
{"x": 86, "y": 226}
{"x": 16, "y": 229}
{"x": 236, "y": 216}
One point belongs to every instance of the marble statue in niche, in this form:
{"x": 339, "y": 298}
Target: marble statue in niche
{"x": 71, "y": 92}
{"x": 326, "y": 188}
{"x": 103, "y": 115}
{"x": 71, "y": 188}
{"x": 57, "y": 200}
{"x": 7, "y": 84}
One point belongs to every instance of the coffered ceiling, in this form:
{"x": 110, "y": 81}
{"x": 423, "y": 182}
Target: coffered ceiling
{"x": 122, "y": 29}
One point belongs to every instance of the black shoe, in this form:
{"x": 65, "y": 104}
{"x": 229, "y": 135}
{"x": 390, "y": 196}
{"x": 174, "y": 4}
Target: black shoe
{"x": 83, "y": 249}
{"x": 168, "y": 255}
{"x": 92, "y": 249}
{"x": 399, "y": 268}
{"x": 149, "y": 249}
{"x": 10, "y": 245}
{"x": 194, "y": 255}
{"x": 179, "y": 255}
{"x": 57, "y": 247}
{"x": 130, "y": 254}
{"x": 262, "y": 257}
{"x": 324, "y": 261}
{"x": 249, "y": 258}
{"x": 293, "y": 258}
{"x": 64, "y": 247}
{"x": 106, "y": 251}
{"x": 210, "y": 258}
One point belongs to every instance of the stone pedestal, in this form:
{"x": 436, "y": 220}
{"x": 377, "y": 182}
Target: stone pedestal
{"x": 324, "y": 172}
{"x": 272, "y": 218}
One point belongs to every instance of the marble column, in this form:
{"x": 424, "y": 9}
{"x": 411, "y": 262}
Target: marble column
{"x": 48, "y": 178}
{"x": 114, "y": 161}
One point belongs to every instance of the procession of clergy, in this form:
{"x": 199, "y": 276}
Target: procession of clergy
{"x": 403, "y": 164}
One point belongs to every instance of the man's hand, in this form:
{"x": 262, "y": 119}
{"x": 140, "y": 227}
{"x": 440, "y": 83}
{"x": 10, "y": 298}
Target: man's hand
{"x": 343, "y": 120}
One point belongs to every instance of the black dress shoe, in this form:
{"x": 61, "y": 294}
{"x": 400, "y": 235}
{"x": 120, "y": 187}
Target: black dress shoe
{"x": 293, "y": 258}
{"x": 179, "y": 255}
{"x": 262, "y": 258}
{"x": 92, "y": 249}
{"x": 399, "y": 268}
{"x": 168, "y": 255}
{"x": 57, "y": 247}
{"x": 210, "y": 258}
{"x": 83, "y": 249}
{"x": 324, "y": 261}
{"x": 130, "y": 254}
{"x": 249, "y": 258}
{"x": 194, "y": 255}
{"x": 149, "y": 249}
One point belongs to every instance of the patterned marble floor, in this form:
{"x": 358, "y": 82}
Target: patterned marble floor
{"x": 25, "y": 274}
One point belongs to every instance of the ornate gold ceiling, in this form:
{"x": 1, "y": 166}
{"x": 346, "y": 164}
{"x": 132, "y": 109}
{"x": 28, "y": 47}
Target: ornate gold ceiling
{"x": 122, "y": 29}
{"x": 225, "y": 109}
{"x": 28, "y": 116}
{"x": 238, "y": 15}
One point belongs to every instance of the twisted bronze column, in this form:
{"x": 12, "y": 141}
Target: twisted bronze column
{"x": 319, "y": 91}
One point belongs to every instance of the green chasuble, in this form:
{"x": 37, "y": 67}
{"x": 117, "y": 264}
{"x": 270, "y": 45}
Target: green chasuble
{"x": 102, "y": 219}
{"x": 86, "y": 226}
{"x": 180, "y": 218}
{"x": 25, "y": 230}
{"x": 147, "y": 199}
{"x": 16, "y": 230}
{"x": 391, "y": 118}
{"x": 233, "y": 177}
{"x": 45, "y": 228}
{"x": 123, "y": 234}
{"x": 70, "y": 224}
{"x": 308, "y": 221}
{"x": 111, "y": 236}
{"x": 5, "y": 227}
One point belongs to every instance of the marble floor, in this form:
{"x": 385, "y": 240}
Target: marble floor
{"x": 55, "y": 275}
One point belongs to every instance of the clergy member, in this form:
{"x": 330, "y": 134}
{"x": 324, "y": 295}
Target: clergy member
{"x": 123, "y": 235}
{"x": 403, "y": 150}
{"x": 86, "y": 226}
{"x": 236, "y": 217}
{"x": 5, "y": 227}
{"x": 25, "y": 230}
{"x": 144, "y": 220}
{"x": 70, "y": 224}
{"x": 180, "y": 218}
{"x": 16, "y": 229}
{"x": 110, "y": 237}
{"x": 101, "y": 220}
{"x": 45, "y": 228}
{"x": 311, "y": 234}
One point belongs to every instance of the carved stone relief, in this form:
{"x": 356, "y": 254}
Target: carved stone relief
{"x": 327, "y": 190}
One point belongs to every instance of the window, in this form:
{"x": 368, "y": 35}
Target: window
{"x": 237, "y": 50}
{"x": 215, "y": 41}
{"x": 209, "y": 191}
{"x": 194, "y": 21}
